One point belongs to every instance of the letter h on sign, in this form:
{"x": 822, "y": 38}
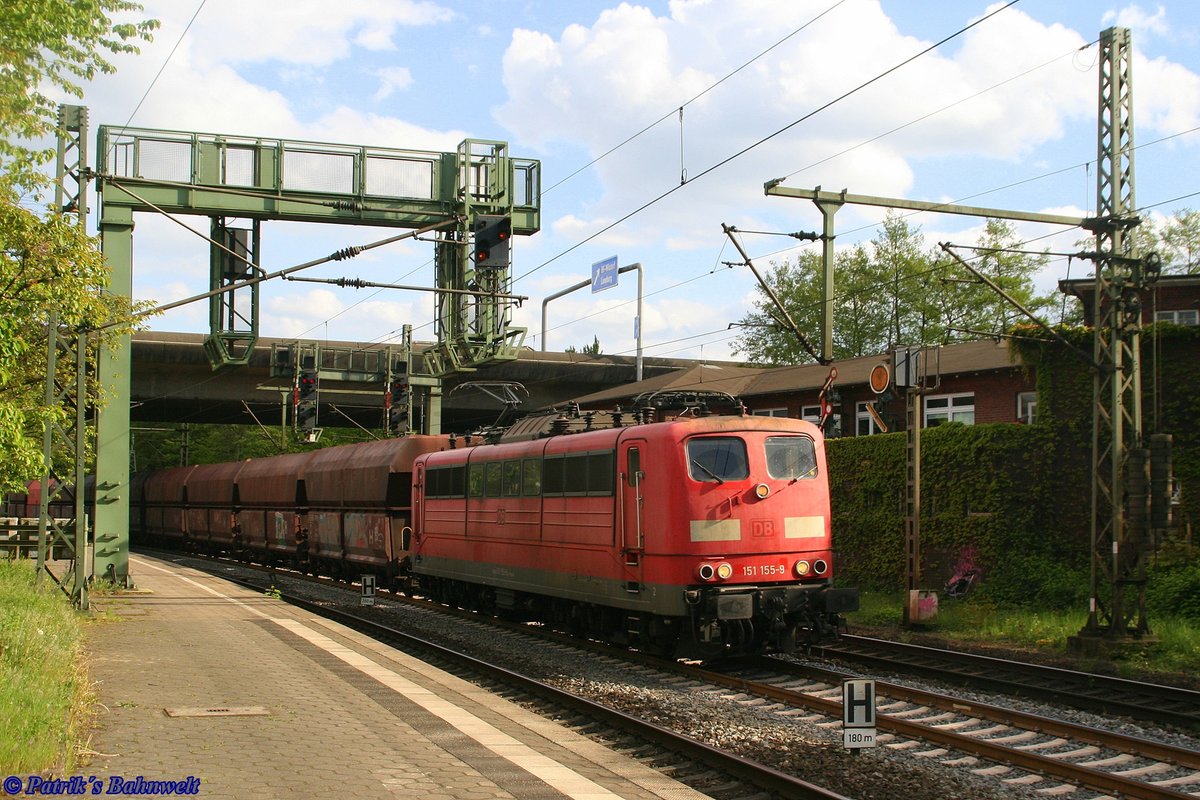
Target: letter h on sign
{"x": 858, "y": 704}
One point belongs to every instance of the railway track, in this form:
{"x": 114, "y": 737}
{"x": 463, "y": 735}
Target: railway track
{"x": 1032, "y": 748}
{"x": 1099, "y": 693}
{"x": 1019, "y": 750}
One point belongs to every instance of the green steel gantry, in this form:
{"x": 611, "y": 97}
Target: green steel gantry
{"x": 230, "y": 178}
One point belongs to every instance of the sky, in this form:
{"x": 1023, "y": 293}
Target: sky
{"x": 655, "y": 123}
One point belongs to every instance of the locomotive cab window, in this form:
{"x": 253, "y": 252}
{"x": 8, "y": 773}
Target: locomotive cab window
{"x": 791, "y": 457}
{"x": 716, "y": 459}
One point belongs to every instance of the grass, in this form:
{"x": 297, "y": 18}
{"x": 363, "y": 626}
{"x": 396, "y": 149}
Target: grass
{"x": 972, "y": 622}
{"x": 44, "y": 691}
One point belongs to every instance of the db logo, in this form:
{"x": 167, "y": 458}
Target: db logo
{"x": 762, "y": 527}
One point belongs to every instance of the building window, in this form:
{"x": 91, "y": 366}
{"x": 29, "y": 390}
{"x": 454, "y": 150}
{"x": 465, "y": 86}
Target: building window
{"x": 950, "y": 408}
{"x": 1180, "y": 317}
{"x": 1027, "y": 407}
{"x": 770, "y": 412}
{"x": 864, "y": 423}
{"x": 811, "y": 414}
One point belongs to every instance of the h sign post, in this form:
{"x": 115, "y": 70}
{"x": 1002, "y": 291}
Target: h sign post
{"x": 858, "y": 714}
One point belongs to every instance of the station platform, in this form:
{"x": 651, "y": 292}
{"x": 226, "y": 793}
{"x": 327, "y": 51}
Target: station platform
{"x": 232, "y": 694}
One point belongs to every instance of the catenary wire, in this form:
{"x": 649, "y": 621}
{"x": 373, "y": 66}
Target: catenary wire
{"x": 771, "y": 136}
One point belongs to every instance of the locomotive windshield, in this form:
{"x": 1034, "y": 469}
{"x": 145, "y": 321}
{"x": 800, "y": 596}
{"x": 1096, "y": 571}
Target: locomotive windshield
{"x": 791, "y": 457}
{"x": 717, "y": 458}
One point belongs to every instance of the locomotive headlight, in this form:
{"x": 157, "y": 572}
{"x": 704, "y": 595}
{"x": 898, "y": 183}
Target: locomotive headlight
{"x": 802, "y": 568}
{"x": 820, "y": 567}
{"x": 706, "y": 572}
{"x": 724, "y": 571}
{"x": 761, "y": 491}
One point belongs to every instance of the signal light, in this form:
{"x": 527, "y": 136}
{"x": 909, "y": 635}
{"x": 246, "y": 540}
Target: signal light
{"x": 492, "y": 233}
{"x": 306, "y": 400}
{"x": 397, "y": 404}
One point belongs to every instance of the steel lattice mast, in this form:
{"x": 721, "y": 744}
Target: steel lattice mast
{"x": 1120, "y": 532}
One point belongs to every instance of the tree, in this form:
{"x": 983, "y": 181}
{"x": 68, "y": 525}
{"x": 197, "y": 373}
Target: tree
{"x": 902, "y": 270}
{"x": 972, "y": 308}
{"x": 881, "y": 298}
{"x": 892, "y": 292}
{"x": 592, "y": 349}
{"x": 763, "y": 338}
{"x": 1179, "y": 243}
{"x": 52, "y": 44}
{"x": 48, "y": 264}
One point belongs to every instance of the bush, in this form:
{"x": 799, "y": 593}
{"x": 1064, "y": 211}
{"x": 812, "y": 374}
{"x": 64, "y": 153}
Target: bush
{"x": 1035, "y": 581}
{"x": 1174, "y": 591}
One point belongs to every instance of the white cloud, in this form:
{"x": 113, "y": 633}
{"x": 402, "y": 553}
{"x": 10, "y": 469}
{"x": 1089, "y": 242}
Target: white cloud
{"x": 304, "y": 32}
{"x": 392, "y": 79}
{"x": 1137, "y": 19}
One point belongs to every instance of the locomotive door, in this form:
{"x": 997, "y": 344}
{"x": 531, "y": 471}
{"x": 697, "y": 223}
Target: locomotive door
{"x": 417, "y": 523}
{"x": 631, "y": 491}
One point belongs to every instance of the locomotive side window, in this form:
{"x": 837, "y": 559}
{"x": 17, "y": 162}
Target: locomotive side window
{"x": 552, "y": 475}
{"x": 791, "y": 457}
{"x": 531, "y": 476}
{"x": 717, "y": 459}
{"x": 600, "y": 473}
{"x": 512, "y": 478}
{"x": 575, "y": 476}
{"x": 475, "y": 480}
{"x": 579, "y": 474}
{"x": 494, "y": 480}
{"x": 444, "y": 482}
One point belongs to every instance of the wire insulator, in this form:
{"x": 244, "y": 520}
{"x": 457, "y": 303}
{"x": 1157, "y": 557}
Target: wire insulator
{"x": 346, "y": 252}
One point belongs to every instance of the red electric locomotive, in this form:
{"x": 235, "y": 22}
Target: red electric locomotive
{"x": 695, "y": 537}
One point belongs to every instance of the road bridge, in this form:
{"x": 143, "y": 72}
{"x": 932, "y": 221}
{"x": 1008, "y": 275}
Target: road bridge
{"x": 173, "y": 381}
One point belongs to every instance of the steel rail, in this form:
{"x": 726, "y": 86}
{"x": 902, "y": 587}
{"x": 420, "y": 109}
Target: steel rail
{"x": 1108, "y": 782}
{"x": 1134, "y": 745}
{"x": 1096, "y": 692}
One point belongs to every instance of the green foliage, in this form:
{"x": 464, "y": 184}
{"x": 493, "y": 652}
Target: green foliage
{"x": 43, "y": 686}
{"x": 1035, "y": 580}
{"x": 592, "y": 349}
{"x": 48, "y": 265}
{"x": 989, "y": 499}
{"x": 1170, "y": 372}
{"x": 1174, "y": 591}
{"x": 891, "y": 292}
{"x": 52, "y": 44}
{"x": 1013, "y": 501}
{"x": 1177, "y": 241}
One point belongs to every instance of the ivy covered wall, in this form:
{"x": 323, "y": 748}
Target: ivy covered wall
{"x": 1012, "y": 501}
{"x": 1003, "y": 499}
{"x": 1170, "y": 395}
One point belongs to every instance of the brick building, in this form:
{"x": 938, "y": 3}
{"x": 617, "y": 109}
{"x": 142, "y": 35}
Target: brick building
{"x": 971, "y": 382}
